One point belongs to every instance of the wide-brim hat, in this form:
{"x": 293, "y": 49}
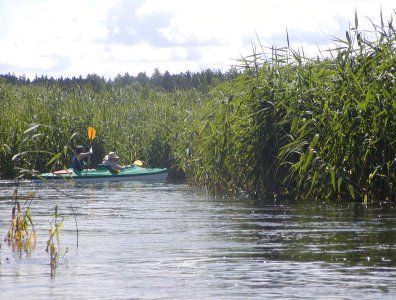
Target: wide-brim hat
{"x": 112, "y": 155}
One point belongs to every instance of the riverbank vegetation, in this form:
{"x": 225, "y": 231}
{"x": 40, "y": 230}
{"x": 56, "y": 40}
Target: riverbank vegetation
{"x": 282, "y": 125}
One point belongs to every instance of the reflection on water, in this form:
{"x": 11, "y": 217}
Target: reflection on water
{"x": 141, "y": 240}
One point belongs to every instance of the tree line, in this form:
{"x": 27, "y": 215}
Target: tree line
{"x": 166, "y": 81}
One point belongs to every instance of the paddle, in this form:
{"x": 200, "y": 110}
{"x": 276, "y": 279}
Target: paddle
{"x": 91, "y": 135}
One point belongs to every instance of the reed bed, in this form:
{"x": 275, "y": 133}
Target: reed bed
{"x": 290, "y": 126}
{"x": 321, "y": 128}
{"x": 42, "y": 124}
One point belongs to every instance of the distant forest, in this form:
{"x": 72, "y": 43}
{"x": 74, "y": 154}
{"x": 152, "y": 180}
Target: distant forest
{"x": 168, "y": 82}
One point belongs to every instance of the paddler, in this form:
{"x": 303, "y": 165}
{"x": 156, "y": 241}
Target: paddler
{"x": 78, "y": 159}
{"x": 111, "y": 161}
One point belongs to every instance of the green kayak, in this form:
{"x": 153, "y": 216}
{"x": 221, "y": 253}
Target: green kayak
{"x": 130, "y": 173}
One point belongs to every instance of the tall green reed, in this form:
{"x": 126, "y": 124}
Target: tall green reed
{"x": 321, "y": 128}
{"x": 137, "y": 122}
{"x": 294, "y": 126}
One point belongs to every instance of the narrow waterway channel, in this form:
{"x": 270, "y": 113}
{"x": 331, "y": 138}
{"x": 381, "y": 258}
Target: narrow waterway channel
{"x": 163, "y": 241}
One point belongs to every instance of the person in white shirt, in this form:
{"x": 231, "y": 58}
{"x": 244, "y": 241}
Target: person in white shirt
{"x": 111, "y": 161}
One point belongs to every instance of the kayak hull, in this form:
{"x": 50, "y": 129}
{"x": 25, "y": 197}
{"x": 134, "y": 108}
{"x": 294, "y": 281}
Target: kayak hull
{"x": 133, "y": 173}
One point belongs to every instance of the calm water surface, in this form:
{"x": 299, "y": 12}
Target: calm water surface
{"x": 162, "y": 241}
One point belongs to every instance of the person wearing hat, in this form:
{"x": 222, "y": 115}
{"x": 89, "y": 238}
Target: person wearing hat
{"x": 111, "y": 161}
{"x": 78, "y": 159}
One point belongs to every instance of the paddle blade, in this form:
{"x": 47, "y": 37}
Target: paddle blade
{"x": 91, "y": 133}
{"x": 138, "y": 163}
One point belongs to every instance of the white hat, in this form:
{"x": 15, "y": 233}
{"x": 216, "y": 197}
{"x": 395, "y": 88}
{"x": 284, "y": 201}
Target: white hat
{"x": 112, "y": 155}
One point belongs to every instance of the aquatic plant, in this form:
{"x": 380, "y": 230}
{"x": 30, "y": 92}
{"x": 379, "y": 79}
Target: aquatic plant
{"x": 135, "y": 121}
{"x": 21, "y": 234}
{"x": 321, "y": 128}
{"x": 291, "y": 125}
{"x": 53, "y": 242}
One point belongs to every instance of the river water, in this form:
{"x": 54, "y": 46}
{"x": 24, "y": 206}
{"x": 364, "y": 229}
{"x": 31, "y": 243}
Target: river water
{"x": 164, "y": 241}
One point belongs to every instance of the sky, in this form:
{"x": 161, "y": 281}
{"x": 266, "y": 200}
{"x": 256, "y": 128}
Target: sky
{"x": 66, "y": 38}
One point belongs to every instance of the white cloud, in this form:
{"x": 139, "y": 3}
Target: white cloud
{"x": 40, "y": 33}
{"x": 77, "y": 37}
